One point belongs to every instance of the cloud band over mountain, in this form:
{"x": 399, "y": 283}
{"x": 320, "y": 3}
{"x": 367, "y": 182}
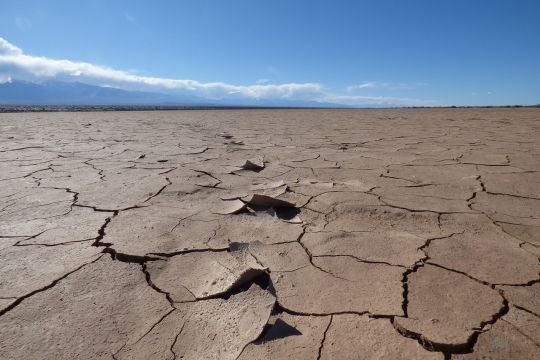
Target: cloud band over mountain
{"x": 15, "y": 64}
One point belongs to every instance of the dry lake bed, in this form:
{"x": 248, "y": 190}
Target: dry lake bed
{"x": 270, "y": 234}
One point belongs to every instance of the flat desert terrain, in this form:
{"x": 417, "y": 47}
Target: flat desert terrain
{"x": 270, "y": 234}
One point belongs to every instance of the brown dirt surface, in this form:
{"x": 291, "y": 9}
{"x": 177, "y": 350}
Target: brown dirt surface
{"x": 270, "y": 234}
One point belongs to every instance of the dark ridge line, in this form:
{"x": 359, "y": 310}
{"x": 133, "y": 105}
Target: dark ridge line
{"x": 397, "y": 178}
{"x": 23, "y": 148}
{"x": 20, "y": 236}
{"x": 283, "y": 271}
{"x": 491, "y": 285}
{"x": 183, "y": 252}
{"x": 280, "y": 308}
{"x": 361, "y": 260}
{"x": 106, "y": 210}
{"x": 127, "y": 258}
{"x": 521, "y": 332}
{"x": 482, "y": 185}
{"x": 159, "y": 191}
{"x": 429, "y": 262}
{"x": 7, "y": 212}
{"x": 315, "y": 158}
{"x": 118, "y": 351}
{"x": 511, "y": 195}
{"x": 210, "y": 175}
{"x": 176, "y": 339}
{"x": 51, "y": 285}
{"x": 99, "y": 171}
{"x": 416, "y": 185}
{"x": 498, "y": 225}
{"x": 430, "y": 240}
{"x": 488, "y": 165}
{"x": 25, "y": 176}
{"x": 421, "y": 211}
{"x": 528, "y": 283}
{"x": 526, "y": 310}
{"x": 25, "y": 237}
{"x": 324, "y": 337}
{"x": 153, "y": 326}
{"x": 425, "y": 196}
{"x": 168, "y": 171}
{"x": 310, "y": 256}
{"x": 530, "y": 244}
{"x": 337, "y": 231}
{"x": 156, "y": 288}
{"x": 101, "y": 230}
{"x": 23, "y": 164}
{"x": 67, "y": 243}
{"x": 405, "y": 285}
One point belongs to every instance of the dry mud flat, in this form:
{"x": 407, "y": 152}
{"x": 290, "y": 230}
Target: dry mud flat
{"x": 270, "y": 234}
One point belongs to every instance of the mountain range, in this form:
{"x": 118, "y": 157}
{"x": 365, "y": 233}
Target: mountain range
{"x": 18, "y": 92}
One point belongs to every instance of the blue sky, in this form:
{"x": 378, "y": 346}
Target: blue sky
{"x": 398, "y": 52}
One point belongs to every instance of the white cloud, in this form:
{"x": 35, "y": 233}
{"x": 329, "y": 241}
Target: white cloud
{"x": 15, "y": 64}
{"x": 355, "y": 100}
{"x": 385, "y": 85}
{"x": 367, "y": 85}
{"x": 7, "y": 48}
{"x": 32, "y": 68}
{"x": 5, "y": 79}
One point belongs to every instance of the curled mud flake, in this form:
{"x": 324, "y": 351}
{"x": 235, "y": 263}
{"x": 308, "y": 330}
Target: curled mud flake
{"x": 229, "y": 207}
{"x": 255, "y": 164}
{"x": 233, "y": 195}
{"x": 268, "y": 185}
{"x": 220, "y": 329}
{"x": 288, "y": 337}
{"x": 202, "y": 275}
{"x": 266, "y": 201}
{"x": 225, "y": 135}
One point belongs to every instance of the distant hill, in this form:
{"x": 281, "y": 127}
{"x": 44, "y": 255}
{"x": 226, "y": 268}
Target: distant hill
{"x": 75, "y": 93}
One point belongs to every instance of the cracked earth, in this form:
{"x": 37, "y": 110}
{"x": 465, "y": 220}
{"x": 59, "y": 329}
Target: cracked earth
{"x": 270, "y": 234}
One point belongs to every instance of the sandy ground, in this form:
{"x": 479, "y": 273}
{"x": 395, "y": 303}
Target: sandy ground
{"x": 270, "y": 234}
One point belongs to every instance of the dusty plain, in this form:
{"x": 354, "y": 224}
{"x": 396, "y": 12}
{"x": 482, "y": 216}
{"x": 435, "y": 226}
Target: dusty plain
{"x": 270, "y": 234}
